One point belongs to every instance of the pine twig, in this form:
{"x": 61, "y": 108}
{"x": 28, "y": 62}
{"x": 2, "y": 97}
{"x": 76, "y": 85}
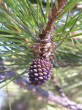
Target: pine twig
{"x": 54, "y": 13}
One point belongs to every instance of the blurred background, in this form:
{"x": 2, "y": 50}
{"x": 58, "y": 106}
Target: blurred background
{"x": 20, "y": 24}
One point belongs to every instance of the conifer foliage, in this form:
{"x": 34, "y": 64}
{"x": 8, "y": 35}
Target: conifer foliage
{"x": 31, "y": 38}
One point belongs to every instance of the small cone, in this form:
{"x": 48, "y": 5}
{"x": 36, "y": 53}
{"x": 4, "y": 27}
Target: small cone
{"x": 39, "y": 71}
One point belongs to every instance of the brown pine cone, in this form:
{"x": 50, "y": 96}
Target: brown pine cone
{"x": 39, "y": 71}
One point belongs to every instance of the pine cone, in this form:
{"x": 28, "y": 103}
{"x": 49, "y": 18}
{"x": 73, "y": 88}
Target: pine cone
{"x": 39, "y": 71}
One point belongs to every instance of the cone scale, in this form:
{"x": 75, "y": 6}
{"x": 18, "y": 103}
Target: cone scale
{"x": 39, "y": 71}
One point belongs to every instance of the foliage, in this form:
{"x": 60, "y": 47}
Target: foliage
{"x": 20, "y": 24}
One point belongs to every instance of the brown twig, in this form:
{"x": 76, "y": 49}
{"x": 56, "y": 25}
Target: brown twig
{"x": 45, "y": 43}
{"x": 54, "y": 13}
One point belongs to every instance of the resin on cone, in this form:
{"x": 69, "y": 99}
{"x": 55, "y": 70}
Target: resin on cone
{"x": 39, "y": 71}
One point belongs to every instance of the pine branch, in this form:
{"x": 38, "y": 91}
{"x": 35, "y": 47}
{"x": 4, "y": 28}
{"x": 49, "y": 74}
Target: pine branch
{"x": 45, "y": 43}
{"x": 23, "y": 83}
{"x": 54, "y": 13}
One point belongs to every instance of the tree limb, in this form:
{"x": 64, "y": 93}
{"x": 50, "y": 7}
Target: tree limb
{"x": 64, "y": 101}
